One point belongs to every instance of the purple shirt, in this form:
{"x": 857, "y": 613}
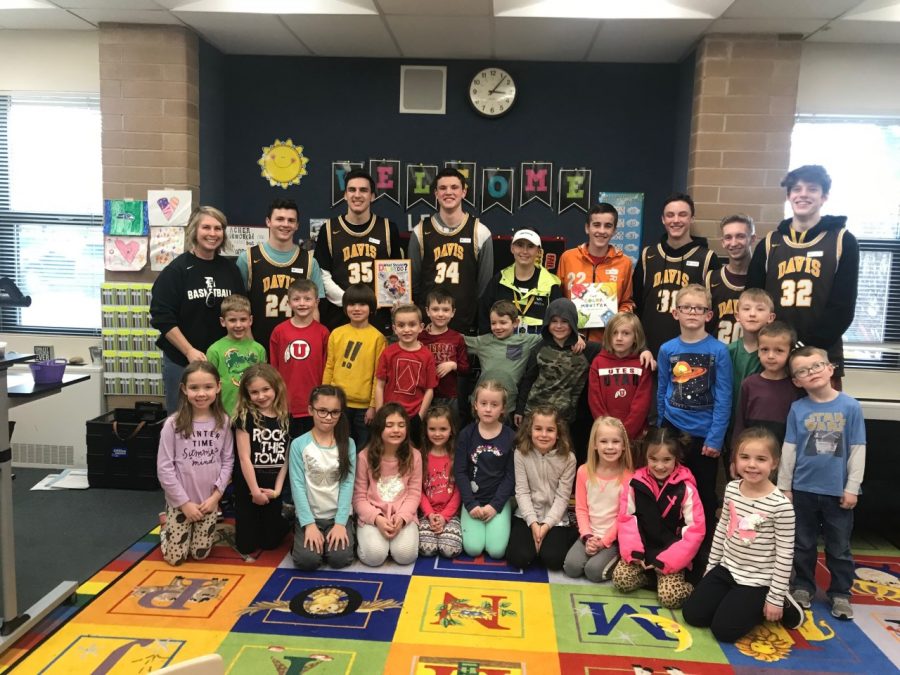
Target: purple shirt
{"x": 189, "y": 469}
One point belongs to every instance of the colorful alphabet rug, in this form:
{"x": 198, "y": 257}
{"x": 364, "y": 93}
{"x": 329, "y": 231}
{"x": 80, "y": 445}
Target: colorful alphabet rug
{"x": 437, "y": 617}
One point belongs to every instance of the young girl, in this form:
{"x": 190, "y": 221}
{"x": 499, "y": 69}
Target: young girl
{"x": 598, "y": 486}
{"x": 387, "y": 491}
{"x": 661, "y": 522}
{"x": 753, "y": 549}
{"x": 545, "y": 471}
{"x": 196, "y": 455}
{"x": 322, "y": 467}
{"x": 439, "y": 528}
{"x": 483, "y": 468}
{"x": 618, "y": 384}
{"x": 261, "y": 437}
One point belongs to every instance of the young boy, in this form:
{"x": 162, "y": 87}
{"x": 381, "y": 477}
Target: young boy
{"x": 237, "y": 351}
{"x": 765, "y": 398}
{"x": 406, "y": 373}
{"x": 353, "y": 353}
{"x": 822, "y": 467}
{"x": 446, "y": 345}
{"x": 504, "y": 351}
{"x": 694, "y": 394}
{"x": 727, "y": 283}
{"x": 297, "y": 349}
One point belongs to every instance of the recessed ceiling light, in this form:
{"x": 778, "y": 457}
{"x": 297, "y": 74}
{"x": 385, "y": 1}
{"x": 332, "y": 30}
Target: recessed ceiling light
{"x": 279, "y": 6}
{"x": 874, "y": 10}
{"x": 612, "y": 9}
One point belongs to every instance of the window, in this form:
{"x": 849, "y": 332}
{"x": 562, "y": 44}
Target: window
{"x": 862, "y": 156}
{"x": 51, "y": 236}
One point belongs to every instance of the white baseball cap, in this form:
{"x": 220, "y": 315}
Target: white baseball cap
{"x": 528, "y": 235}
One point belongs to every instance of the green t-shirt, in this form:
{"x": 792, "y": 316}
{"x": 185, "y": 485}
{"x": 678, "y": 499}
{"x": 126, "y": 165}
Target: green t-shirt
{"x": 743, "y": 364}
{"x": 503, "y": 360}
{"x": 231, "y": 358}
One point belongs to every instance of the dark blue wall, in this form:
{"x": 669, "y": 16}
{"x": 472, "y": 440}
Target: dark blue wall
{"x": 617, "y": 119}
{"x": 212, "y": 125}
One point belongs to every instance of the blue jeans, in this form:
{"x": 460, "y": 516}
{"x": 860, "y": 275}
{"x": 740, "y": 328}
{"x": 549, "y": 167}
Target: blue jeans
{"x": 815, "y": 512}
{"x": 359, "y": 430}
{"x": 171, "y": 373}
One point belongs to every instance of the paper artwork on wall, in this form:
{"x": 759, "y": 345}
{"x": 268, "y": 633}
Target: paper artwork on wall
{"x": 283, "y": 163}
{"x": 497, "y": 188}
{"x": 536, "y": 183}
{"x": 165, "y": 244}
{"x": 241, "y": 237}
{"x": 125, "y": 217}
{"x": 169, "y": 207}
{"x": 574, "y": 189}
{"x": 419, "y": 178}
{"x": 630, "y": 206}
{"x": 124, "y": 254}
{"x": 386, "y": 174}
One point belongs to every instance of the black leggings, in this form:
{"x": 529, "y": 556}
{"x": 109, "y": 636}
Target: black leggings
{"x": 723, "y": 605}
{"x": 521, "y": 552}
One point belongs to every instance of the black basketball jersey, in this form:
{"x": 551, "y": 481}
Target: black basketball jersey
{"x": 799, "y": 276}
{"x": 353, "y": 254}
{"x": 725, "y": 291}
{"x": 268, "y": 288}
{"x": 451, "y": 260}
{"x": 664, "y": 276}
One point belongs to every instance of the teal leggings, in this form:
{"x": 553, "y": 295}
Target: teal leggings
{"x": 491, "y": 537}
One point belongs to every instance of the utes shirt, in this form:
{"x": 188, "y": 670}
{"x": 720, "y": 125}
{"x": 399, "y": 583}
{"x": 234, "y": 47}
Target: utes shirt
{"x": 298, "y": 353}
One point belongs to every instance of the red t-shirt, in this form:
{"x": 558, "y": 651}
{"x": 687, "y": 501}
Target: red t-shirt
{"x": 299, "y": 355}
{"x": 407, "y": 374}
{"x": 448, "y": 346}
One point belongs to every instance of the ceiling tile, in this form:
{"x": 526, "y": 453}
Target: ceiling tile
{"x": 788, "y": 9}
{"x": 431, "y": 8}
{"x": 867, "y": 32}
{"x": 612, "y": 9}
{"x": 262, "y": 34}
{"x": 651, "y": 41}
{"x": 158, "y": 16}
{"x": 442, "y": 37}
{"x": 875, "y": 10}
{"x": 41, "y": 19}
{"x": 351, "y": 36}
{"x": 799, "y": 26}
{"x": 544, "y": 39}
{"x": 109, "y": 4}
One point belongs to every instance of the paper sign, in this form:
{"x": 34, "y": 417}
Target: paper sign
{"x": 169, "y": 207}
{"x": 392, "y": 282}
{"x": 241, "y": 237}
{"x": 596, "y": 303}
{"x": 125, "y": 218}
{"x": 165, "y": 244}
{"x": 125, "y": 254}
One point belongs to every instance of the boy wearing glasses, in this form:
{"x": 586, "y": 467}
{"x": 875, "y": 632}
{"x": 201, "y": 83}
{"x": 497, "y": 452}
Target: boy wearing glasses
{"x": 821, "y": 471}
{"x": 297, "y": 349}
{"x": 694, "y": 393}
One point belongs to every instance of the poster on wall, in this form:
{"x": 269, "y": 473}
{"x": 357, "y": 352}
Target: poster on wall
{"x": 536, "y": 182}
{"x": 125, "y": 217}
{"x": 339, "y": 171}
{"x": 315, "y": 226}
{"x": 393, "y": 282}
{"x": 629, "y": 232}
{"x": 241, "y": 237}
{"x": 166, "y": 243}
{"x": 419, "y": 178}
{"x": 169, "y": 207}
{"x": 124, "y": 254}
{"x": 497, "y": 188}
{"x": 470, "y": 171}
{"x": 386, "y": 174}
{"x": 574, "y": 189}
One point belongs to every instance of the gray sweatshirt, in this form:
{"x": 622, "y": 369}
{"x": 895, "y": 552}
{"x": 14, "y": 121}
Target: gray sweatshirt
{"x": 544, "y": 486}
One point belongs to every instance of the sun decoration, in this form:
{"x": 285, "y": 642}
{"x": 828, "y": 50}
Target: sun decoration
{"x": 283, "y": 163}
{"x": 764, "y": 644}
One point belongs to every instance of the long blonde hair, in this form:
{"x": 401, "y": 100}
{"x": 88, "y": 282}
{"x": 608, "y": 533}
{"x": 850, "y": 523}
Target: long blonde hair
{"x": 184, "y": 413}
{"x": 626, "y": 463}
{"x": 245, "y": 406}
{"x": 640, "y": 339}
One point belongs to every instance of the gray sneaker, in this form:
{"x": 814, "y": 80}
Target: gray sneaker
{"x": 841, "y": 608}
{"x": 803, "y": 598}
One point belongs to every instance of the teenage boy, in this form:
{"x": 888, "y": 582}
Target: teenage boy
{"x": 694, "y": 394}
{"x": 348, "y": 246}
{"x": 447, "y": 346}
{"x": 237, "y": 351}
{"x": 728, "y": 282}
{"x": 527, "y": 283}
{"x": 598, "y": 261}
{"x": 664, "y": 269}
{"x": 453, "y": 249}
{"x": 765, "y": 398}
{"x": 810, "y": 266}
{"x": 269, "y": 269}
{"x": 297, "y": 349}
{"x": 406, "y": 373}
{"x": 353, "y": 353}
{"x": 822, "y": 467}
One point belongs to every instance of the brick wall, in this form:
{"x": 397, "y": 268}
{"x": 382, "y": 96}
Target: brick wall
{"x": 745, "y": 94}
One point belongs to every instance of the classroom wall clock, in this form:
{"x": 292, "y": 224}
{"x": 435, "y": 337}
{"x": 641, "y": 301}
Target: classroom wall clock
{"x": 492, "y": 92}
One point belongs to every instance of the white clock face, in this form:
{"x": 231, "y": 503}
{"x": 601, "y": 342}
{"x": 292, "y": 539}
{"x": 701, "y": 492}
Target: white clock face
{"x": 492, "y": 92}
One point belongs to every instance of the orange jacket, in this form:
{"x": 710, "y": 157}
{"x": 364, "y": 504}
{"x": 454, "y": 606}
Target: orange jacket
{"x": 577, "y": 267}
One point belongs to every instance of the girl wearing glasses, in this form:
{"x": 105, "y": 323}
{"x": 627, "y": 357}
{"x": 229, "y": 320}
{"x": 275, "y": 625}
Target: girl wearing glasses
{"x": 322, "y": 467}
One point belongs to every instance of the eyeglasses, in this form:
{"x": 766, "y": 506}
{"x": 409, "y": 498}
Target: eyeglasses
{"x": 325, "y": 413}
{"x": 817, "y": 367}
{"x": 692, "y": 309}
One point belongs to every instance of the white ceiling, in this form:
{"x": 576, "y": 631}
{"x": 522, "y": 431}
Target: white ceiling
{"x": 473, "y": 29}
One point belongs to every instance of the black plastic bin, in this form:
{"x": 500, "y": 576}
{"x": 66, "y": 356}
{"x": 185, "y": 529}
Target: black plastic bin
{"x": 122, "y": 446}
